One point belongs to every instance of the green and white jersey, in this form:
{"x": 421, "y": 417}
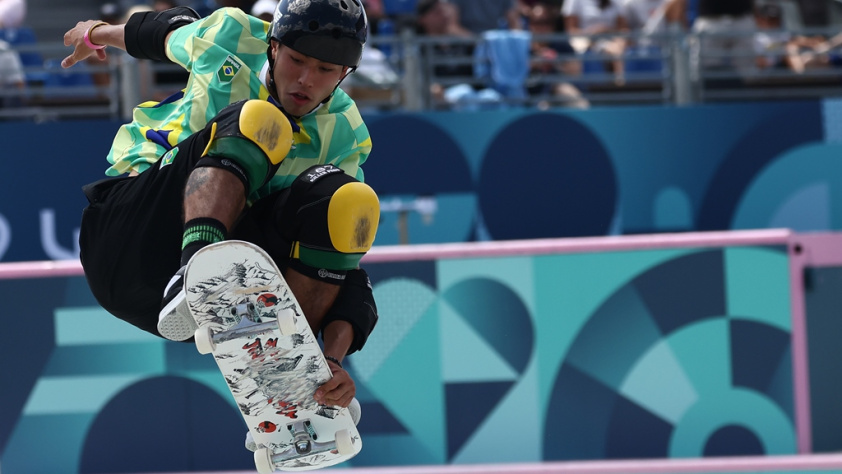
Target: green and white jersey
{"x": 225, "y": 54}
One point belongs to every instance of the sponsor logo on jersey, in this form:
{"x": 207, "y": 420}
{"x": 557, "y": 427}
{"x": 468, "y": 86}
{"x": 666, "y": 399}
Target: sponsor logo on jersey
{"x": 228, "y": 69}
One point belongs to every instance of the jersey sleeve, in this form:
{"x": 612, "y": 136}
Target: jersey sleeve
{"x": 224, "y": 29}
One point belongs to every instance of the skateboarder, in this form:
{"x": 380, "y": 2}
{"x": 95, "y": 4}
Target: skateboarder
{"x": 213, "y": 162}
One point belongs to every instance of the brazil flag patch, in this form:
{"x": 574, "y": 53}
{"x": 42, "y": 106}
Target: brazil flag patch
{"x": 168, "y": 157}
{"x": 229, "y": 69}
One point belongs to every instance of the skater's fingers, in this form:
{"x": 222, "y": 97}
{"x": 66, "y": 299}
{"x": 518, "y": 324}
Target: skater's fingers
{"x": 339, "y": 390}
{"x": 345, "y": 400}
{"x": 325, "y": 393}
{"x": 339, "y": 398}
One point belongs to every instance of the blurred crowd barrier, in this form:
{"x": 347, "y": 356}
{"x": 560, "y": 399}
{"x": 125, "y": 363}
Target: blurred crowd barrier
{"x": 406, "y": 72}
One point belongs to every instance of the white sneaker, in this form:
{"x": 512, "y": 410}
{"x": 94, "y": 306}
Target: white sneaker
{"x": 174, "y": 321}
{"x": 251, "y": 445}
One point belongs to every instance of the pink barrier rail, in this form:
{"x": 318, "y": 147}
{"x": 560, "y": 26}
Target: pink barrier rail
{"x": 767, "y": 464}
{"x": 805, "y": 250}
{"x": 798, "y": 463}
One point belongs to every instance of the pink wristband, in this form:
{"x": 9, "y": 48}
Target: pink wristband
{"x": 87, "y": 36}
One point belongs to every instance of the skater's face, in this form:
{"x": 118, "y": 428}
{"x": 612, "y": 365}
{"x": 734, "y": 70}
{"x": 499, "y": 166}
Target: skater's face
{"x": 302, "y": 81}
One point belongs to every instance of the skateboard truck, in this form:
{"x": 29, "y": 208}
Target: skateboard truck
{"x": 249, "y": 324}
{"x": 303, "y": 436}
{"x": 245, "y": 310}
{"x": 304, "y": 444}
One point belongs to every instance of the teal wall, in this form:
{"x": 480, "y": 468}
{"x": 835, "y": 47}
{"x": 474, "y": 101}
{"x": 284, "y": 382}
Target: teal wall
{"x": 660, "y": 353}
{"x": 512, "y": 174}
{"x": 657, "y": 353}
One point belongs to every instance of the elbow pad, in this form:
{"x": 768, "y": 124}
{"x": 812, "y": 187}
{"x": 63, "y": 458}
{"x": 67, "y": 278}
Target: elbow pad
{"x": 146, "y": 32}
{"x": 355, "y": 305}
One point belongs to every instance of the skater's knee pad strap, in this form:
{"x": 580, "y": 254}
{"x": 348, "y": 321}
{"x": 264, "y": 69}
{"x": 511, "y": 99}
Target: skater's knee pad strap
{"x": 254, "y": 142}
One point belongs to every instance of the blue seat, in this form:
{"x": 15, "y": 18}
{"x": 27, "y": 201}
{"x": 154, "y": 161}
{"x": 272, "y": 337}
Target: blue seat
{"x": 78, "y": 76}
{"x": 399, "y": 7}
{"x": 643, "y": 59}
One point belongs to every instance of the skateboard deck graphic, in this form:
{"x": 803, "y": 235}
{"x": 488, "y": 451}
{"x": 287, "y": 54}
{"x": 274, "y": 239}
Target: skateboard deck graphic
{"x": 250, "y": 321}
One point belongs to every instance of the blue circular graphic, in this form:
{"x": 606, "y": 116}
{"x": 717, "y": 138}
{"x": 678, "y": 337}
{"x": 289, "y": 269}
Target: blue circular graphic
{"x": 661, "y": 366}
{"x": 144, "y": 428}
{"x": 569, "y": 192}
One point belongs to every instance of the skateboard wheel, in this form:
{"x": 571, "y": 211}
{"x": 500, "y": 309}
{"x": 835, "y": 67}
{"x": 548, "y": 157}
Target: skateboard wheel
{"x": 204, "y": 340}
{"x": 286, "y": 323}
{"x": 343, "y": 442}
{"x": 263, "y": 461}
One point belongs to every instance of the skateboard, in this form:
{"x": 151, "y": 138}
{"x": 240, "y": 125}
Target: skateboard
{"x": 250, "y": 321}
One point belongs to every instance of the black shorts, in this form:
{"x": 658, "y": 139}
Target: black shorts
{"x": 131, "y": 232}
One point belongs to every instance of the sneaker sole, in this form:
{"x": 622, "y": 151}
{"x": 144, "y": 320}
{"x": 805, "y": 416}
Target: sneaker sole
{"x": 176, "y": 324}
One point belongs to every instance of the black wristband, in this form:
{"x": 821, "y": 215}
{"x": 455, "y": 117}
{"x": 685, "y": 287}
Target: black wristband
{"x": 334, "y": 360}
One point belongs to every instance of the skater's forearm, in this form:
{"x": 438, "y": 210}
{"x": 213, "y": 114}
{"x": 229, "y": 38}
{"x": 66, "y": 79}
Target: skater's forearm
{"x": 338, "y": 337}
{"x": 109, "y": 35}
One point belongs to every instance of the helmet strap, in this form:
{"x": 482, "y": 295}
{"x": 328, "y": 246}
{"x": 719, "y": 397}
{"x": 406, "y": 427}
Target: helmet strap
{"x": 273, "y": 89}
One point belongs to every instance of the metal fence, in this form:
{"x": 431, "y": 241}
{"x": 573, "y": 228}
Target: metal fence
{"x": 410, "y": 72}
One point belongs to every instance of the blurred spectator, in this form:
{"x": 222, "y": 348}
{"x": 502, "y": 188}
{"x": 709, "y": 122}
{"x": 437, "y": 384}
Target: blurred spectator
{"x": 483, "y": 15}
{"x": 12, "y": 13}
{"x": 544, "y": 20}
{"x": 264, "y": 9}
{"x": 524, "y": 8}
{"x": 592, "y": 17}
{"x": 649, "y": 22}
{"x": 772, "y": 44}
{"x": 376, "y": 13}
{"x": 727, "y": 28}
{"x": 597, "y": 17}
{"x": 440, "y": 18}
{"x": 374, "y": 80}
{"x": 12, "y": 78}
{"x": 654, "y": 16}
{"x": 816, "y": 52}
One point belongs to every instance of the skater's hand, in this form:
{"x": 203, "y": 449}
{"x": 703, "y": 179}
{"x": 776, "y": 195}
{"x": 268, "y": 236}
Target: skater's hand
{"x": 338, "y": 391}
{"x": 76, "y": 38}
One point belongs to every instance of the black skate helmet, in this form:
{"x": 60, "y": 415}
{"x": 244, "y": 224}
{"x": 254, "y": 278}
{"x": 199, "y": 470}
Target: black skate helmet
{"x": 333, "y": 31}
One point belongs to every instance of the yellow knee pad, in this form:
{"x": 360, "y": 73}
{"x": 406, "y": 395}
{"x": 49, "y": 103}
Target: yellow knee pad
{"x": 268, "y": 127}
{"x": 352, "y": 217}
{"x": 257, "y": 139}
